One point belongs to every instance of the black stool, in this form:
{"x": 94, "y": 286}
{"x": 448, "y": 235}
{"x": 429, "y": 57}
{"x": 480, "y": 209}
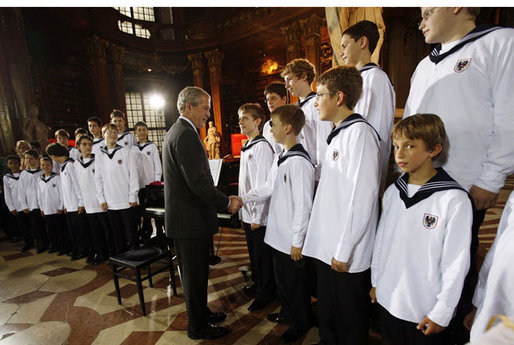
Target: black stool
{"x": 136, "y": 260}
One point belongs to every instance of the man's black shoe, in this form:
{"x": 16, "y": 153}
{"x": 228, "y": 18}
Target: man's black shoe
{"x": 210, "y": 332}
{"x": 216, "y": 317}
{"x": 250, "y": 289}
{"x": 258, "y": 303}
{"x": 213, "y": 260}
{"x": 291, "y": 335}
{"x": 277, "y": 318}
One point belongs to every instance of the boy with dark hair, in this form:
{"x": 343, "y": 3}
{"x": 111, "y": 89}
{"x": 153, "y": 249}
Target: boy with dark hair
{"x": 74, "y": 151}
{"x": 94, "y": 124}
{"x": 63, "y": 137}
{"x": 479, "y": 120}
{"x": 51, "y": 204}
{"x": 377, "y": 102}
{"x": 256, "y": 159}
{"x": 341, "y": 238}
{"x": 72, "y": 200}
{"x": 290, "y": 184}
{"x": 125, "y": 138}
{"x": 276, "y": 95}
{"x": 96, "y": 217}
{"x": 36, "y": 146}
{"x": 425, "y": 222}
{"x": 299, "y": 75}
{"x": 12, "y": 190}
{"x": 28, "y": 198}
{"x": 117, "y": 186}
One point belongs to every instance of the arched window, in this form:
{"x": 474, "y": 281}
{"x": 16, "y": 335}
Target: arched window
{"x": 138, "y": 13}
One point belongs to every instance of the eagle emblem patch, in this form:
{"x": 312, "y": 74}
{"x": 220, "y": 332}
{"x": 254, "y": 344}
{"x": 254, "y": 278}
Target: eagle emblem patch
{"x": 120, "y": 161}
{"x": 430, "y": 221}
{"x": 462, "y": 65}
{"x": 93, "y": 171}
{"x": 148, "y": 153}
{"x": 285, "y": 179}
{"x": 250, "y": 156}
{"x": 126, "y": 143}
{"x": 335, "y": 155}
{"x": 53, "y": 185}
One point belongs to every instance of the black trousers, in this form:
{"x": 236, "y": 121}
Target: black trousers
{"x": 38, "y": 227}
{"x": 293, "y": 289}
{"x": 79, "y": 233}
{"x": 193, "y": 260}
{"x": 24, "y": 225}
{"x": 344, "y": 306}
{"x": 123, "y": 229}
{"x": 261, "y": 262}
{"x": 400, "y": 332}
{"x": 99, "y": 233}
{"x": 10, "y": 224}
{"x": 55, "y": 228}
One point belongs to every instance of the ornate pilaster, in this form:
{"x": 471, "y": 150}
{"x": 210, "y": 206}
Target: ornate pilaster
{"x": 311, "y": 27}
{"x": 293, "y": 41}
{"x": 198, "y": 68}
{"x": 117, "y": 81}
{"x": 98, "y": 51}
{"x": 214, "y": 59}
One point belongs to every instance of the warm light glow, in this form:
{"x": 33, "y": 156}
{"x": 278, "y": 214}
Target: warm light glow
{"x": 157, "y": 102}
{"x": 269, "y": 66}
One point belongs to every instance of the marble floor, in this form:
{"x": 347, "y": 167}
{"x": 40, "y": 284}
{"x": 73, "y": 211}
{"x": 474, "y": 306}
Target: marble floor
{"x": 46, "y": 299}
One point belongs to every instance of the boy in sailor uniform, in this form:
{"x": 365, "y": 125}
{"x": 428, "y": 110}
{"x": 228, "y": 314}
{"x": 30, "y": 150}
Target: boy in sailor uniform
{"x": 12, "y": 189}
{"x": 51, "y": 204}
{"x": 62, "y": 137}
{"x": 377, "y": 101}
{"x": 97, "y": 218}
{"x": 299, "y": 75}
{"x": 76, "y": 221}
{"x": 493, "y": 295}
{"x": 290, "y": 184}
{"x": 28, "y": 198}
{"x": 345, "y": 211}
{"x": 421, "y": 252}
{"x": 117, "y": 186}
{"x": 94, "y": 124}
{"x": 276, "y": 95}
{"x": 125, "y": 138}
{"x": 74, "y": 152}
{"x": 149, "y": 166}
{"x": 479, "y": 120}
{"x": 256, "y": 159}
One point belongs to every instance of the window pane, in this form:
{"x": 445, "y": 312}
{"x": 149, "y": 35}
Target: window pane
{"x": 144, "y": 13}
{"x": 125, "y": 27}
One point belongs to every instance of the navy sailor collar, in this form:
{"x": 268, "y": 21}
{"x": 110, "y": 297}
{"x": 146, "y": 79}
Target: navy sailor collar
{"x": 45, "y": 180}
{"x": 69, "y": 160}
{"x": 85, "y": 165}
{"x": 350, "y": 120}
{"x": 254, "y": 141}
{"x": 98, "y": 141}
{"x": 11, "y": 175}
{"x": 296, "y": 150}
{"x": 369, "y": 66}
{"x": 309, "y": 96}
{"x": 110, "y": 155}
{"x": 141, "y": 147}
{"x": 123, "y": 135}
{"x": 473, "y": 35}
{"x": 439, "y": 182}
{"x": 32, "y": 171}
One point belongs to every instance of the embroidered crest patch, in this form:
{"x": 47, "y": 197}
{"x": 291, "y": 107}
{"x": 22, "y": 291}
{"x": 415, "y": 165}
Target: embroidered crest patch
{"x": 285, "y": 179}
{"x": 120, "y": 161}
{"x": 462, "y": 65}
{"x": 335, "y": 155}
{"x": 250, "y": 156}
{"x": 148, "y": 153}
{"x": 93, "y": 171}
{"x": 53, "y": 185}
{"x": 430, "y": 221}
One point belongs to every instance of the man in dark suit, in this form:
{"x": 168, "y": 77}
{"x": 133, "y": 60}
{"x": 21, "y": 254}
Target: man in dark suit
{"x": 191, "y": 204}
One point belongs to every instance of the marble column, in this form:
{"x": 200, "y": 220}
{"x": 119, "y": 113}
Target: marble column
{"x": 214, "y": 58}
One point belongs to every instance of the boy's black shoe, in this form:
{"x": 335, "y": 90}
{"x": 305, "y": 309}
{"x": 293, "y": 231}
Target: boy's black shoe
{"x": 292, "y": 335}
{"x": 210, "y": 332}
{"x": 27, "y": 247}
{"x": 216, "y": 317}
{"x": 277, "y": 318}
{"x": 90, "y": 258}
{"x": 61, "y": 253}
{"x": 250, "y": 289}
{"x": 98, "y": 260}
{"x": 52, "y": 250}
{"x": 42, "y": 249}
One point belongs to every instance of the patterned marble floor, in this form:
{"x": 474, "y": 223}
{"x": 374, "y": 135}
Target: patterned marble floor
{"x": 48, "y": 300}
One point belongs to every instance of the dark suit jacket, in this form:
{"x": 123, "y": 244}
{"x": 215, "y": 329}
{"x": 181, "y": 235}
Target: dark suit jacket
{"x": 191, "y": 199}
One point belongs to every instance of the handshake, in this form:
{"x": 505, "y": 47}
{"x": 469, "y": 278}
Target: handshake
{"x": 235, "y": 204}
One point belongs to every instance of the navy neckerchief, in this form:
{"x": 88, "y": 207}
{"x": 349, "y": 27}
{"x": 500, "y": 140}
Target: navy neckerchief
{"x": 85, "y": 165}
{"x": 254, "y": 141}
{"x": 98, "y": 141}
{"x": 32, "y": 171}
{"x": 70, "y": 148}
{"x": 43, "y": 177}
{"x": 369, "y": 66}
{"x": 473, "y": 35}
{"x": 123, "y": 135}
{"x": 350, "y": 120}
{"x": 439, "y": 182}
{"x": 11, "y": 175}
{"x": 144, "y": 145}
{"x": 110, "y": 155}
{"x": 309, "y": 96}
{"x": 296, "y": 150}
{"x": 69, "y": 160}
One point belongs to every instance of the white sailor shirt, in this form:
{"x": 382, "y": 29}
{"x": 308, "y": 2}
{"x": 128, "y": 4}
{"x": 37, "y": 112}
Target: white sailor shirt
{"x": 345, "y": 211}
{"x": 126, "y": 140}
{"x": 98, "y": 144}
{"x": 11, "y": 192}
{"x": 150, "y": 168}
{"x": 27, "y": 195}
{"x": 421, "y": 253}
{"x": 71, "y": 195}
{"x": 255, "y": 163}
{"x": 116, "y": 178}
{"x": 85, "y": 171}
{"x": 49, "y": 194}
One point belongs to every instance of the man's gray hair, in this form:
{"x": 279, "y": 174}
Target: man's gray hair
{"x": 191, "y": 94}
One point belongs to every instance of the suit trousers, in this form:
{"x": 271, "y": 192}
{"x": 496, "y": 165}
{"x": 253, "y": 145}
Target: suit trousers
{"x": 343, "y": 305}
{"x": 193, "y": 260}
{"x": 260, "y": 262}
